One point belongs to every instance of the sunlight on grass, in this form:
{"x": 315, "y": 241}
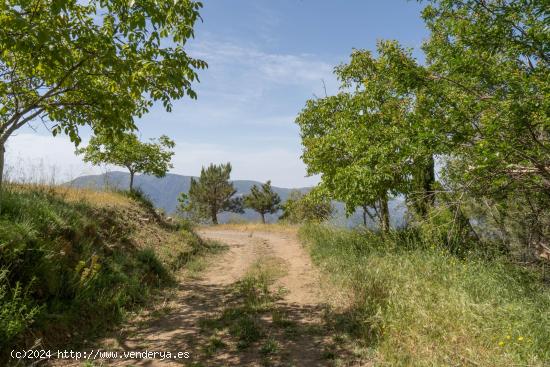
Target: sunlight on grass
{"x": 423, "y": 306}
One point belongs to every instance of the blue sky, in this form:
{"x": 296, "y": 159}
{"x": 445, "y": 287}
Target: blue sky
{"x": 266, "y": 58}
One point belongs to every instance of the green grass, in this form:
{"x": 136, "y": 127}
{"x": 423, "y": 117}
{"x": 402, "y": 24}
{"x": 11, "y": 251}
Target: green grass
{"x": 213, "y": 345}
{"x": 417, "y": 304}
{"x": 270, "y": 346}
{"x": 70, "y": 268}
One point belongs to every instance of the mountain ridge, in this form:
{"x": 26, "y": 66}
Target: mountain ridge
{"x": 164, "y": 193}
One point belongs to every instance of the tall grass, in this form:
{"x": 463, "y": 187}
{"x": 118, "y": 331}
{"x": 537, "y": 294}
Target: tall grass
{"x": 416, "y": 303}
{"x": 69, "y": 268}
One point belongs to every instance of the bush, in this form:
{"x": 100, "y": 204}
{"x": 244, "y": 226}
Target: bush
{"x": 308, "y": 208}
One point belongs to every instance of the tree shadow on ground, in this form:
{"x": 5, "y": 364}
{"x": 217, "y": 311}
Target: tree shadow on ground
{"x": 211, "y": 323}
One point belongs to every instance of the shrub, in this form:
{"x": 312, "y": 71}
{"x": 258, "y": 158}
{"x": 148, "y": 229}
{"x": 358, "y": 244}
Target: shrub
{"x": 16, "y": 309}
{"x": 300, "y": 208}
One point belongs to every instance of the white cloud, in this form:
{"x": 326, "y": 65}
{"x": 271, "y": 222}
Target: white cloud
{"x": 285, "y": 69}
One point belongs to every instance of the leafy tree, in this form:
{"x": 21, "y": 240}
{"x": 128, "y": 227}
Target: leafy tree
{"x": 311, "y": 207}
{"x": 95, "y": 63}
{"x": 212, "y": 193}
{"x": 127, "y": 151}
{"x": 376, "y": 138}
{"x": 480, "y": 103}
{"x": 192, "y": 210}
{"x": 263, "y": 200}
{"x": 491, "y": 60}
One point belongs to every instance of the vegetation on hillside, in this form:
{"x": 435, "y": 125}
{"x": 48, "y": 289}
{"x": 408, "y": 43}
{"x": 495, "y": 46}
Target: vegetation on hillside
{"x": 410, "y": 301}
{"x": 73, "y": 262}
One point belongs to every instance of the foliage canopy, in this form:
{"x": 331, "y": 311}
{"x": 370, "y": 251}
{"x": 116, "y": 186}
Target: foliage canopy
{"x": 95, "y": 63}
{"x": 151, "y": 158}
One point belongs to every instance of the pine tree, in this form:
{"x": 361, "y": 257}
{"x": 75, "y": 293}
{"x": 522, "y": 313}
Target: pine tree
{"x": 263, "y": 200}
{"x": 212, "y": 193}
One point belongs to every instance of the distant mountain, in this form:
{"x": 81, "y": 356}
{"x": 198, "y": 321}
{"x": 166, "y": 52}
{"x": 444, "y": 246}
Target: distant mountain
{"x": 164, "y": 193}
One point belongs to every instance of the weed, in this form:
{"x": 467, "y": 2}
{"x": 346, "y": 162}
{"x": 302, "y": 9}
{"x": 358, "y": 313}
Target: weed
{"x": 247, "y": 329}
{"x": 270, "y": 347}
{"x": 214, "y": 344}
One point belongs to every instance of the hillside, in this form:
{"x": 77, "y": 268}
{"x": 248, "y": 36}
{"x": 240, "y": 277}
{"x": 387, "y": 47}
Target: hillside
{"x": 164, "y": 193}
{"x": 73, "y": 262}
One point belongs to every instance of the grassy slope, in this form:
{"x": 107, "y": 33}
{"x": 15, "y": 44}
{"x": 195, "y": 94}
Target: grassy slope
{"x": 72, "y": 262}
{"x": 425, "y": 307}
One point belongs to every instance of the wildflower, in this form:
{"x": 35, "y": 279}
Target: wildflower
{"x": 507, "y": 336}
{"x": 501, "y": 343}
{"x": 520, "y": 338}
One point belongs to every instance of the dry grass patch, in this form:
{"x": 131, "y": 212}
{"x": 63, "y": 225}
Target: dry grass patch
{"x": 258, "y": 227}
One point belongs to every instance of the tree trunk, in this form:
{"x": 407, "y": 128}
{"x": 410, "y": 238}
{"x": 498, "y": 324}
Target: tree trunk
{"x": 2, "y": 156}
{"x": 132, "y": 180}
{"x": 263, "y": 217}
{"x": 423, "y": 182}
{"x": 384, "y": 214}
{"x": 365, "y": 208}
{"x": 429, "y": 181}
{"x": 214, "y": 214}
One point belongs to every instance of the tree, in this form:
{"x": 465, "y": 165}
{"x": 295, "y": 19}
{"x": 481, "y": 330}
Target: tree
{"x": 212, "y": 193}
{"x": 263, "y": 200}
{"x": 127, "y": 151}
{"x": 491, "y": 60}
{"x": 378, "y": 135}
{"x": 311, "y": 207}
{"x": 481, "y": 104}
{"x": 95, "y": 63}
{"x": 192, "y": 210}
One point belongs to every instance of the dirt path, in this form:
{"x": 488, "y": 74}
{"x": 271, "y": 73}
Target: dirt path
{"x": 301, "y": 279}
{"x": 210, "y": 320}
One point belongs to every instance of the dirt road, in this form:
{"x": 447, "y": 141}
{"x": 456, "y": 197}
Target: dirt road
{"x": 206, "y": 318}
